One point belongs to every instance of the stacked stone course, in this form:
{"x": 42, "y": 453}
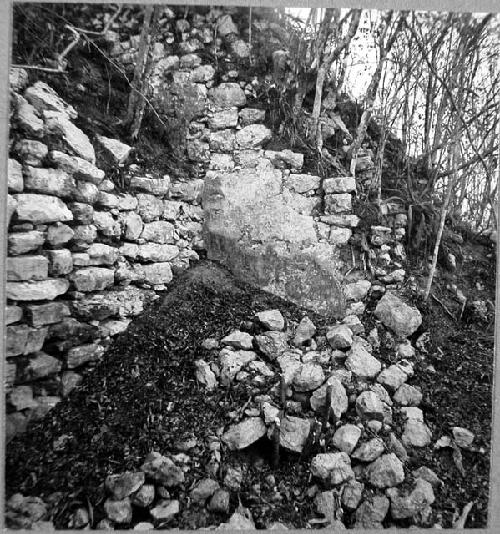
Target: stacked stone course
{"x": 83, "y": 258}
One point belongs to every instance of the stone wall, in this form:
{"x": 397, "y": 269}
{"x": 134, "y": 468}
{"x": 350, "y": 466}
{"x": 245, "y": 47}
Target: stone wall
{"x": 83, "y": 258}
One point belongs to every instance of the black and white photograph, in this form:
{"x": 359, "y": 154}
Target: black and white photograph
{"x": 250, "y": 266}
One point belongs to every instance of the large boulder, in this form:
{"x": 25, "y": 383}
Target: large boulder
{"x": 263, "y": 240}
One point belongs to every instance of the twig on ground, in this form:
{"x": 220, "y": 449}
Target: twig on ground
{"x": 443, "y": 306}
{"x": 460, "y": 522}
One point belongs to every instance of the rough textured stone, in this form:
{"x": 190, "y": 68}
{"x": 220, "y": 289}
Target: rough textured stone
{"x": 144, "y": 497}
{"x": 238, "y": 340}
{"x": 28, "y": 118}
{"x": 162, "y": 470}
{"x": 27, "y": 268}
{"x": 339, "y": 185}
{"x": 41, "y": 209}
{"x": 203, "y": 490}
{"x": 221, "y": 120}
{"x": 357, "y": 290}
{"x": 332, "y": 467}
{"x": 253, "y": 136}
{"x": 158, "y": 232}
{"x": 409, "y": 504}
{"x": 392, "y": 377}
{"x": 43, "y": 97}
{"x": 69, "y": 381}
{"x": 369, "y": 406}
{"x": 101, "y": 254}
{"x": 78, "y": 167}
{"x": 105, "y": 223}
{"x": 15, "y": 176}
{"x": 402, "y": 319}
{"x": 308, "y": 377}
{"x": 338, "y": 203}
{"x": 272, "y": 343}
{"x": 31, "y": 152}
{"x": 463, "y": 437}
{"x": 82, "y": 213}
{"x": 386, "y": 471}
{"x": 37, "y": 290}
{"x": 339, "y": 401}
{"x": 58, "y": 124}
{"x": 227, "y": 95}
{"x": 346, "y": 438}
{"x": 42, "y": 314}
{"x": 369, "y": 450}
{"x": 114, "y": 148}
{"x": 22, "y": 339}
{"x": 92, "y": 279}
{"x": 339, "y": 337}
{"x": 150, "y": 207}
{"x": 124, "y": 484}
{"x": 416, "y": 434}
{"x": 408, "y": 395}
{"x": 305, "y": 331}
{"x": 241, "y": 435}
{"x": 362, "y": 363}
{"x": 251, "y": 116}
{"x": 22, "y": 242}
{"x": 118, "y": 511}
{"x": 153, "y": 186}
{"x": 78, "y": 356}
{"x": 372, "y": 512}
{"x": 59, "y": 234}
{"x": 13, "y": 314}
{"x": 271, "y": 319}
{"x": 40, "y": 365}
{"x": 263, "y": 240}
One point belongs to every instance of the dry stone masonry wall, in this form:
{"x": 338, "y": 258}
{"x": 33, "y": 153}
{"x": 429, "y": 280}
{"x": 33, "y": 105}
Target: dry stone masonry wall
{"x": 83, "y": 258}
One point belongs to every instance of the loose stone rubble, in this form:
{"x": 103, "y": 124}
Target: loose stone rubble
{"x": 356, "y": 465}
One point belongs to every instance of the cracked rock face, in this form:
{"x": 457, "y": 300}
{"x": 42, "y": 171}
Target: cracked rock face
{"x": 252, "y": 228}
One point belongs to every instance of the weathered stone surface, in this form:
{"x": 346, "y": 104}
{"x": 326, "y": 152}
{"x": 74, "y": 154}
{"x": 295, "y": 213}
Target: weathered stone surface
{"x": 106, "y": 223}
{"x": 219, "y": 503}
{"x": 243, "y": 434}
{"x": 59, "y": 234}
{"x": 289, "y": 364}
{"x": 205, "y": 375}
{"x": 124, "y": 484}
{"x": 41, "y": 209}
{"x": 332, "y": 467}
{"x": 21, "y": 397}
{"x": 251, "y": 116}
{"x": 227, "y": 95}
{"x": 92, "y": 279}
{"x": 271, "y": 319}
{"x": 409, "y": 504}
{"x": 22, "y": 339}
{"x": 114, "y": 148}
{"x": 369, "y": 450}
{"x": 82, "y": 213}
{"x": 357, "y": 290}
{"x": 285, "y": 159}
{"x": 227, "y": 118}
{"x": 28, "y": 118}
{"x": 343, "y": 220}
{"x": 43, "y": 97}
{"x": 127, "y": 202}
{"x": 463, "y": 437}
{"x": 339, "y": 336}
{"x": 189, "y": 191}
{"x": 133, "y": 226}
{"x": 408, "y": 395}
{"x": 86, "y": 192}
{"x": 272, "y": 343}
{"x": 202, "y": 73}
{"x": 69, "y": 381}
{"x": 31, "y": 152}
{"x": 369, "y": 406}
{"x": 372, "y": 512}
{"x": 352, "y": 494}
{"x": 362, "y": 363}
{"x": 144, "y": 497}
{"x": 40, "y": 365}
{"x": 339, "y": 185}
{"x": 78, "y": 167}
{"x": 13, "y": 314}
{"x": 58, "y": 124}
{"x": 42, "y": 314}
{"x": 203, "y": 490}
{"x": 416, "y": 434}
{"x": 114, "y": 327}
{"x": 15, "y": 176}
{"x": 84, "y": 233}
{"x": 158, "y": 232}
{"x": 253, "y": 136}
{"x": 78, "y": 356}
{"x": 107, "y": 200}
{"x": 302, "y": 183}
{"x": 118, "y": 511}
{"x": 338, "y": 203}
{"x": 339, "y": 401}
{"x": 150, "y": 207}
{"x": 162, "y": 470}
{"x": 101, "y": 254}
{"x": 305, "y": 331}
{"x": 154, "y": 252}
{"x": 346, "y": 438}
{"x": 232, "y": 361}
{"x": 238, "y": 340}
{"x": 386, "y": 471}
{"x": 222, "y": 141}
{"x": 27, "y": 268}
{"x": 402, "y": 319}
{"x": 252, "y": 230}
{"x": 155, "y": 273}
{"x": 153, "y": 186}
{"x": 392, "y": 377}
{"x": 11, "y": 208}
{"x": 339, "y": 236}
{"x": 308, "y": 377}
{"x": 37, "y": 290}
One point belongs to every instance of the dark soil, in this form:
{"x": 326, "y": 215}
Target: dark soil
{"x": 144, "y": 397}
